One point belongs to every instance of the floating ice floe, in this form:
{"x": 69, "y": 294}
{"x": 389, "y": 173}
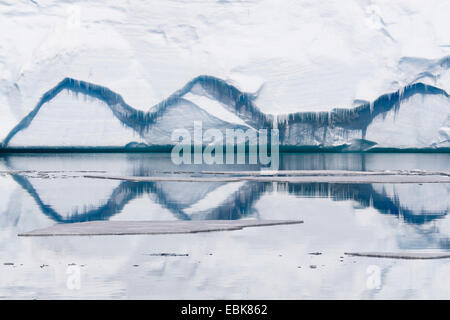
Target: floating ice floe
{"x": 332, "y": 176}
{"x": 401, "y": 255}
{"x": 92, "y": 228}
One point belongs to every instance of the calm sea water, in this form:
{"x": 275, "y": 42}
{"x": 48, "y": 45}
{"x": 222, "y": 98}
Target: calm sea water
{"x": 269, "y": 262}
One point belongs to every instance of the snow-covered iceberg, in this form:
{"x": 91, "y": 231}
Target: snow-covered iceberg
{"x": 355, "y": 75}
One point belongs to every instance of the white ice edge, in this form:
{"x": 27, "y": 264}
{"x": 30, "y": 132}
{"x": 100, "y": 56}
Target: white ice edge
{"x": 401, "y": 255}
{"x": 328, "y": 172}
{"x": 92, "y": 228}
{"x": 298, "y": 178}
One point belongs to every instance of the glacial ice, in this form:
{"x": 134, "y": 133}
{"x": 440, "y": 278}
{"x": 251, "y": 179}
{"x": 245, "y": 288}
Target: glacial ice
{"x": 350, "y": 54}
{"x": 78, "y": 114}
{"x": 93, "y": 228}
{"x": 401, "y": 255}
{"x": 74, "y": 121}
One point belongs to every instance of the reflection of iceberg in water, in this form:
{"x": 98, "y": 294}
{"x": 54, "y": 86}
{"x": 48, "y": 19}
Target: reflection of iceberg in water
{"x": 144, "y": 164}
{"x": 236, "y": 200}
{"x": 408, "y": 206}
{"x": 237, "y": 205}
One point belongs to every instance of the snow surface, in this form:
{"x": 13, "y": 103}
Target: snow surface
{"x": 306, "y": 55}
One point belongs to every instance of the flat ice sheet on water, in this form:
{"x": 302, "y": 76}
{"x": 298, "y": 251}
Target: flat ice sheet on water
{"x": 401, "y": 255}
{"x": 296, "y": 176}
{"x": 92, "y": 228}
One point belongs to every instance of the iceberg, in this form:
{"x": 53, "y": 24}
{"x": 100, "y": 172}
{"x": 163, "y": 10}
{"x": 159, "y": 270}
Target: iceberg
{"x": 79, "y": 114}
{"x": 320, "y": 87}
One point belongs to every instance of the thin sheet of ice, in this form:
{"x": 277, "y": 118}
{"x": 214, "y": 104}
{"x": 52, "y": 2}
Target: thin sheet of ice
{"x": 300, "y": 176}
{"x": 401, "y": 255}
{"x": 150, "y": 227}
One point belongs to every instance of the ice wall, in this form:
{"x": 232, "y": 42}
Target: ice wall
{"x": 77, "y": 113}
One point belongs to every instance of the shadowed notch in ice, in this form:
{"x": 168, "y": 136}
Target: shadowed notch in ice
{"x": 151, "y": 227}
{"x": 401, "y": 255}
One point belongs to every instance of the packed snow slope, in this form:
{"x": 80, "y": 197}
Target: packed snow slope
{"x": 285, "y": 63}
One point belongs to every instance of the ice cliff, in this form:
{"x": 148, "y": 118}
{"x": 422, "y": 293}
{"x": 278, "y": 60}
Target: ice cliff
{"x": 357, "y": 74}
{"x": 80, "y": 114}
